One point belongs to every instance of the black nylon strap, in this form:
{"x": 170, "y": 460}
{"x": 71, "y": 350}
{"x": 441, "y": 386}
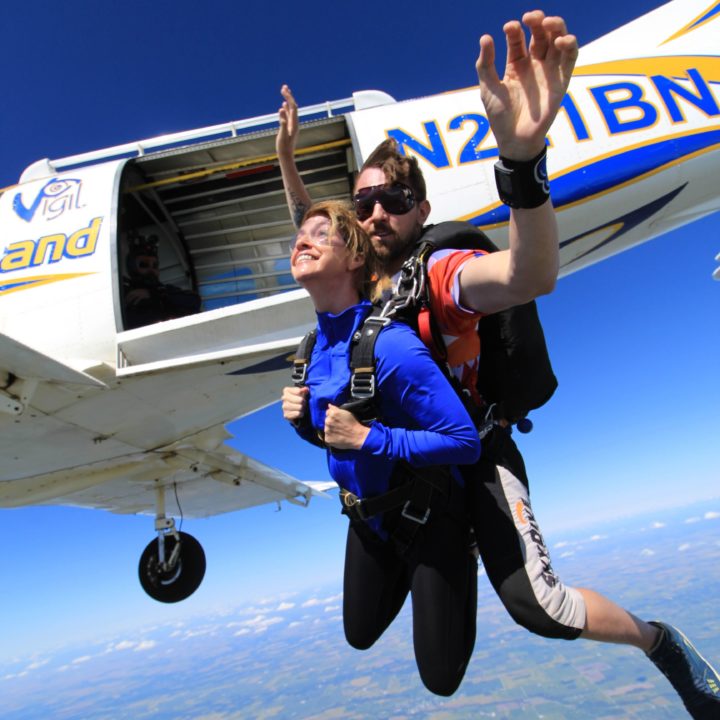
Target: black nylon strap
{"x": 302, "y": 358}
{"x": 523, "y": 184}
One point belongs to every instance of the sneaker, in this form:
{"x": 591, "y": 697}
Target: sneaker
{"x": 695, "y": 680}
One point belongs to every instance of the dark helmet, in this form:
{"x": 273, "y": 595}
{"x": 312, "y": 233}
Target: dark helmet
{"x": 140, "y": 246}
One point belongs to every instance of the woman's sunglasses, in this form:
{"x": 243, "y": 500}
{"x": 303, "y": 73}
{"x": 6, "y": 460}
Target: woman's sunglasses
{"x": 396, "y": 199}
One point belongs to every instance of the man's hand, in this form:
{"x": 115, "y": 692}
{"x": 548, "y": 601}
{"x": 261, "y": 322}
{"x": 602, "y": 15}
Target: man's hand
{"x": 137, "y": 296}
{"x": 294, "y": 403}
{"x": 342, "y": 429}
{"x": 288, "y": 131}
{"x": 522, "y": 106}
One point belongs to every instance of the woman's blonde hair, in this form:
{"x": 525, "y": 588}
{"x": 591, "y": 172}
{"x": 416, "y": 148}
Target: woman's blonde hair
{"x": 344, "y": 223}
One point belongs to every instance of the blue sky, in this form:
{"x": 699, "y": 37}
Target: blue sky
{"x": 633, "y": 426}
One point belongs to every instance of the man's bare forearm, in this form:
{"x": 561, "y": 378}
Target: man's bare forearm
{"x": 526, "y": 270}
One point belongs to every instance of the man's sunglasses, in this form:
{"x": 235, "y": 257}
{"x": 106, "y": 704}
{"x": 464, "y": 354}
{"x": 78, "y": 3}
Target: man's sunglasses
{"x": 396, "y": 199}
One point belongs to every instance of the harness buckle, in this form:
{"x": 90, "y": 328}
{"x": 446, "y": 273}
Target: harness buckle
{"x": 378, "y": 320}
{"x": 299, "y": 374}
{"x": 488, "y": 422}
{"x": 353, "y": 504}
{"x": 416, "y": 516}
{"x": 362, "y": 383}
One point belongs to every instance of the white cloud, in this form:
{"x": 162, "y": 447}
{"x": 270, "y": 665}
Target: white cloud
{"x": 257, "y": 620}
{"x": 37, "y": 664}
{"x": 200, "y": 632}
{"x": 684, "y": 547}
{"x": 647, "y": 552}
{"x": 145, "y": 645}
{"x": 332, "y": 608}
{"x": 656, "y": 525}
{"x": 81, "y": 659}
{"x": 567, "y": 553}
{"x": 324, "y": 601}
{"x": 692, "y": 520}
{"x": 561, "y": 544}
{"x": 295, "y": 623}
{"x": 258, "y": 624}
{"x": 268, "y": 623}
{"x": 595, "y": 538}
{"x": 285, "y": 606}
{"x": 712, "y": 515}
{"x": 122, "y": 645}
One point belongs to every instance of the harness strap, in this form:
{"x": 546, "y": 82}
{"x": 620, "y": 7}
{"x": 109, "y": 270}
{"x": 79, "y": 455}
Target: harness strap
{"x": 302, "y": 358}
{"x": 415, "y": 496}
{"x": 299, "y": 378}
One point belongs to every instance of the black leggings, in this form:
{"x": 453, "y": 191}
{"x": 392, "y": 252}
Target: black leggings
{"x": 441, "y": 576}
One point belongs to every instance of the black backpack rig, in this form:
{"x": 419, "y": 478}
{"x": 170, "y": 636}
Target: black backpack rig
{"x": 514, "y": 377}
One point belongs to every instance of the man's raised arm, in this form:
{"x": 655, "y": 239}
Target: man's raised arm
{"x": 298, "y": 198}
{"x": 521, "y": 108}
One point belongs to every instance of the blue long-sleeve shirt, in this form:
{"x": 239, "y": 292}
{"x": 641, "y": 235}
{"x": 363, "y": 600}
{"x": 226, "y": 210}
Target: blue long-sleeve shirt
{"x": 422, "y": 420}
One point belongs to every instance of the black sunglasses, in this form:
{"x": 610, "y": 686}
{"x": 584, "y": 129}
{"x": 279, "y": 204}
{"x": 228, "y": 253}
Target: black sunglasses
{"x": 396, "y": 199}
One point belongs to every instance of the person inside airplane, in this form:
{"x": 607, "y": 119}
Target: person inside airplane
{"x": 147, "y": 300}
{"x": 399, "y": 484}
{"x": 467, "y": 285}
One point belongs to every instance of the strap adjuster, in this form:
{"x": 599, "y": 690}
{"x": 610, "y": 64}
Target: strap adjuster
{"x": 353, "y": 504}
{"x": 416, "y": 516}
{"x": 362, "y": 383}
{"x": 377, "y": 320}
{"x": 299, "y": 374}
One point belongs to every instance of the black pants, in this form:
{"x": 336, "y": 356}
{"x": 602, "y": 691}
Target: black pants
{"x": 441, "y": 576}
{"x": 511, "y": 546}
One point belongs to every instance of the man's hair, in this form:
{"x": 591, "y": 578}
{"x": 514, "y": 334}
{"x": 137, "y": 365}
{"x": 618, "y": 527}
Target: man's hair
{"x": 343, "y": 221}
{"x": 398, "y": 168}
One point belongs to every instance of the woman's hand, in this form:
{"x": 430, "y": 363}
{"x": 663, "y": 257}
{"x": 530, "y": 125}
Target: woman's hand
{"x": 342, "y": 429}
{"x": 294, "y": 403}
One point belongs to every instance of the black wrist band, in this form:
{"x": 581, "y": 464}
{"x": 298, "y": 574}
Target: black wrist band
{"x": 523, "y": 183}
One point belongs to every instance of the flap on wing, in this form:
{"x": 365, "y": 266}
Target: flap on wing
{"x": 24, "y": 362}
{"x": 280, "y": 349}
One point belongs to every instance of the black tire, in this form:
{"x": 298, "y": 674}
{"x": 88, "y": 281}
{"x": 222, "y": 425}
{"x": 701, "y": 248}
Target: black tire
{"x": 181, "y": 581}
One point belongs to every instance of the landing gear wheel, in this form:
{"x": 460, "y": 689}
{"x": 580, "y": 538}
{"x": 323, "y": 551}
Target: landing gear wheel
{"x": 179, "y": 581}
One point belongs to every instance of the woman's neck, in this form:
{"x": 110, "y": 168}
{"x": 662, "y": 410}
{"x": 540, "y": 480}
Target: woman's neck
{"x": 332, "y": 299}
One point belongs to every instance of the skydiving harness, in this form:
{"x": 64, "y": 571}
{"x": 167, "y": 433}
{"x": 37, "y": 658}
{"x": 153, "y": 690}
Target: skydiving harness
{"x": 414, "y": 491}
{"x": 514, "y": 377}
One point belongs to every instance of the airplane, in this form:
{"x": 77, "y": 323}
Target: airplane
{"x": 96, "y": 413}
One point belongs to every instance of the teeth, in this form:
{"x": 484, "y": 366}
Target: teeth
{"x": 304, "y": 257}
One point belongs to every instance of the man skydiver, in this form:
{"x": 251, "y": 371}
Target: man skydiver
{"x": 391, "y": 204}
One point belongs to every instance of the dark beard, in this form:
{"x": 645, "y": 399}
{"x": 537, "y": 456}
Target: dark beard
{"x": 398, "y": 251}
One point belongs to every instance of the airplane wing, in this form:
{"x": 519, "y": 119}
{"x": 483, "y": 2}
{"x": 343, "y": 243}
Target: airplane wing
{"x": 23, "y": 368}
{"x": 202, "y": 477}
{"x": 72, "y": 439}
